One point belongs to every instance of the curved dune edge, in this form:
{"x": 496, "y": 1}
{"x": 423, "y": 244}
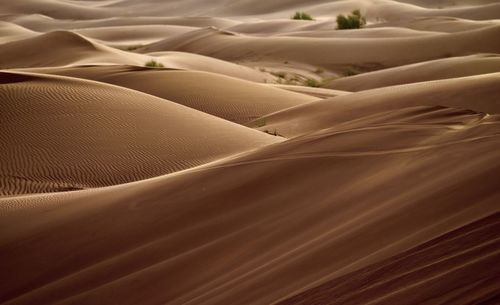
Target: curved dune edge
{"x": 333, "y": 53}
{"x": 229, "y": 98}
{"x": 61, "y": 48}
{"x": 63, "y": 133}
{"x": 320, "y": 228}
{"x": 478, "y": 93}
{"x": 425, "y": 71}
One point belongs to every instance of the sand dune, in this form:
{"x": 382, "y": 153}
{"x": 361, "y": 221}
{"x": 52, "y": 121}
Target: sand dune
{"x": 127, "y": 36}
{"x": 439, "y": 24}
{"x": 190, "y": 61}
{"x": 75, "y": 134}
{"x": 11, "y": 32}
{"x": 277, "y": 239}
{"x": 45, "y": 23}
{"x": 229, "y": 98}
{"x": 171, "y": 61}
{"x": 373, "y": 33}
{"x": 420, "y": 72}
{"x": 448, "y": 263}
{"x": 317, "y": 92}
{"x": 458, "y": 93}
{"x": 380, "y": 9}
{"x": 56, "y": 8}
{"x": 320, "y": 29}
{"x": 40, "y": 51}
{"x": 265, "y": 161}
{"x": 331, "y": 53}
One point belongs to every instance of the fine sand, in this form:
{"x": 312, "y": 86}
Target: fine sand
{"x": 213, "y": 152}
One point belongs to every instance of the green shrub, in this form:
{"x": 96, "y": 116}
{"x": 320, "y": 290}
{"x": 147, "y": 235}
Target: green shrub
{"x": 134, "y": 47}
{"x": 353, "y": 21}
{"x": 312, "y": 83}
{"x": 302, "y": 16}
{"x": 154, "y": 64}
{"x": 351, "y": 72}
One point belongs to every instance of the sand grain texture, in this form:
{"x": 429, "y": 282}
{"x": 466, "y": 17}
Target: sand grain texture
{"x": 63, "y": 134}
{"x": 265, "y": 161}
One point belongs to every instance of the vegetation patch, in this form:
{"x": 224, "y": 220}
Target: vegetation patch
{"x": 134, "y": 47}
{"x": 153, "y": 64}
{"x": 302, "y": 16}
{"x": 352, "y": 21}
{"x": 312, "y": 83}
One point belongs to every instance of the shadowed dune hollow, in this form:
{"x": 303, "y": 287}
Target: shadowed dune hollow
{"x": 215, "y": 152}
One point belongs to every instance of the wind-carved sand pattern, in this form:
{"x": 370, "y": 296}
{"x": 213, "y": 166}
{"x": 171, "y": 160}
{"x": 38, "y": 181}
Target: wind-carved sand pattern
{"x": 206, "y": 152}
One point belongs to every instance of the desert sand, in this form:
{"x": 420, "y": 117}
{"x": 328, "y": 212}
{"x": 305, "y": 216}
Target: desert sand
{"x": 214, "y": 152}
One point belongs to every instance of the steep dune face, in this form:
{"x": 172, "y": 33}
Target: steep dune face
{"x": 479, "y": 93}
{"x": 61, "y": 48}
{"x": 229, "y": 98}
{"x": 359, "y": 197}
{"x": 446, "y": 268}
{"x": 420, "y": 72}
{"x": 62, "y": 133}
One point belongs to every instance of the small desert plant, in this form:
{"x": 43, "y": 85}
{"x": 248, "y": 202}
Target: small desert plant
{"x": 134, "y": 47}
{"x": 351, "y": 72}
{"x": 154, "y": 64}
{"x": 302, "y": 16}
{"x": 353, "y": 21}
{"x": 312, "y": 83}
{"x": 279, "y": 74}
{"x": 260, "y": 122}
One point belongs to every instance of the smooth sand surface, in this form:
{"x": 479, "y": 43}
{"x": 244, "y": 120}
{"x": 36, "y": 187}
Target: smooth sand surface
{"x": 453, "y": 67}
{"x": 359, "y": 196}
{"x": 457, "y": 93}
{"x": 229, "y": 98}
{"x": 63, "y": 133}
{"x": 329, "y": 53}
{"x": 258, "y": 160}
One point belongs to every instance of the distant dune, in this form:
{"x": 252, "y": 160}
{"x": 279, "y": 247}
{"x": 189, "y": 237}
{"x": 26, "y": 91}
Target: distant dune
{"x": 453, "y": 67}
{"x": 332, "y": 53}
{"x": 232, "y": 99}
{"x": 221, "y": 152}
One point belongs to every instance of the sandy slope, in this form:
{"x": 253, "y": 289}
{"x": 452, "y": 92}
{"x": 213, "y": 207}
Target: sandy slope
{"x": 384, "y": 191}
{"x": 420, "y": 72}
{"x": 317, "y": 92}
{"x": 62, "y": 48}
{"x": 63, "y": 133}
{"x": 45, "y": 23}
{"x": 75, "y": 49}
{"x": 226, "y": 97}
{"x": 332, "y": 53}
{"x": 446, "y": 268}
{"x": 131, "y": 35}
{"x": 341, "y": 214}
{"x": 479, "y": 93}
{"x": 10, "y": 32}
{"x": 441, "y": 24}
